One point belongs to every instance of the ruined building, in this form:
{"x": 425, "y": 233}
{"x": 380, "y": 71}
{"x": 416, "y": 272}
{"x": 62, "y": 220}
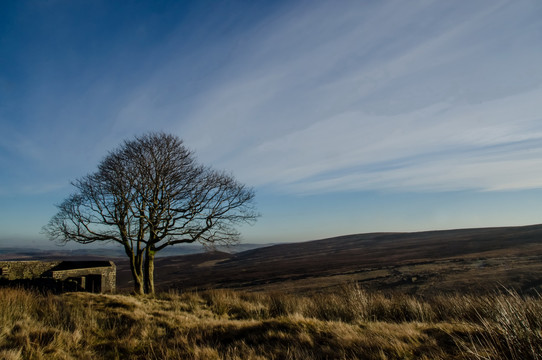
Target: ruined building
{"x": 60, "y": 276}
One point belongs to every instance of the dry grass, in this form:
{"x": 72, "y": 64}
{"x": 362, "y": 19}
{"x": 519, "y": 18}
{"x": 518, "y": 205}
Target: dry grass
{"x": 221, "y": 324}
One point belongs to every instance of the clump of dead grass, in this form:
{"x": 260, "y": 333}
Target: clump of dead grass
{"x": 224, "y": 324}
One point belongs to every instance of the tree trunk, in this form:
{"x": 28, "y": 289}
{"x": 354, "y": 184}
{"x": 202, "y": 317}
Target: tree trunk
{"x": 138, "y": 284}
{"x": 137, "y": 276}
{"x": 136, "y": 268}
{"x": 149, "y": 270}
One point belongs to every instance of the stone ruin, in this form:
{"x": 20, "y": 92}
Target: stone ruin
{"x": 60, "y": 276}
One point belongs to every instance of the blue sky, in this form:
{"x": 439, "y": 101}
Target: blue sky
{"x": 345, "y": 116}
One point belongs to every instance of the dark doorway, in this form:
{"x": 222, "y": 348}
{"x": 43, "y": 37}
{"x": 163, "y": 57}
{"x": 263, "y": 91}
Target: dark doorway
{"x": 94, "y": 283}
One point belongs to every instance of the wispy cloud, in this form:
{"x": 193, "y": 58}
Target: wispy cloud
{"x": 391, "y": 96}
{"x": 313, "y": 96}
{"x": 493, "y": 145}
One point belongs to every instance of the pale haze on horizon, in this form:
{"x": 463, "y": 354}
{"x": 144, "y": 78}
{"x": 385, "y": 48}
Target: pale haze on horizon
{"x": 345, "y": 116}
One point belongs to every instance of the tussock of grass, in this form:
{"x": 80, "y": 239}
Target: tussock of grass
{"x": 222, "y": 324}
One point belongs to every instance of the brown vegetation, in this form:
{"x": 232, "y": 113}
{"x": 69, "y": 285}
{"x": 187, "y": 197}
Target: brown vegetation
{"x": 222, "y": 324}
{"x": 423, "y": 263}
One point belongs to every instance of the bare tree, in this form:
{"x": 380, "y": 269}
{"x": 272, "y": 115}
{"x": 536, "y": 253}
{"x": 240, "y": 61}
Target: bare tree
{"x": 149, "y": 194}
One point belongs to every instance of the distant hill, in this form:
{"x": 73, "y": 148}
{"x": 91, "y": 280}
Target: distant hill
{"x": 472, "y": 260}
{"x": 24, "y": 253}
{"x": 464, "y": 260}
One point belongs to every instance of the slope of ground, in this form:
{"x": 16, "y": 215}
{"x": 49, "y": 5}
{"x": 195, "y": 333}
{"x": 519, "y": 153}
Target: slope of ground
{"x": 219, "y": 324}
{"x": 464, "y": 260}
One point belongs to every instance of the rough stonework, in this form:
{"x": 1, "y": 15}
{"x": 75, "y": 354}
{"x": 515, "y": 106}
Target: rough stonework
{"x": 60, "y": 276}
{"x": 15, "y": 270}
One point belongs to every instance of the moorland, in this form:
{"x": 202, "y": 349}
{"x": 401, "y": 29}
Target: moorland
{"x": 226, "y": 324}
{"x": 456, "y": 294}
{"x": 465, "y": 261}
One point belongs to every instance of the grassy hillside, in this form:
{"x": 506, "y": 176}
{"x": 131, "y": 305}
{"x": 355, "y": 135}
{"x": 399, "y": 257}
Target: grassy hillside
{"x": 428, "y": 295}
{"x": 424, "y": 263}
{"x": 464, "y": 261}
{"x": 221, "y": 324}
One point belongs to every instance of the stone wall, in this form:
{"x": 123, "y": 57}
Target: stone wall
{"x": 64, "y": 275}
{"x": 108, "y": 276}
{"x": 16, "y": 270}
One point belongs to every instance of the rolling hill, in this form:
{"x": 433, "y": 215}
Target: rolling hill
{"x": 449, "y": 261}
{"x": 465, "y": 260}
